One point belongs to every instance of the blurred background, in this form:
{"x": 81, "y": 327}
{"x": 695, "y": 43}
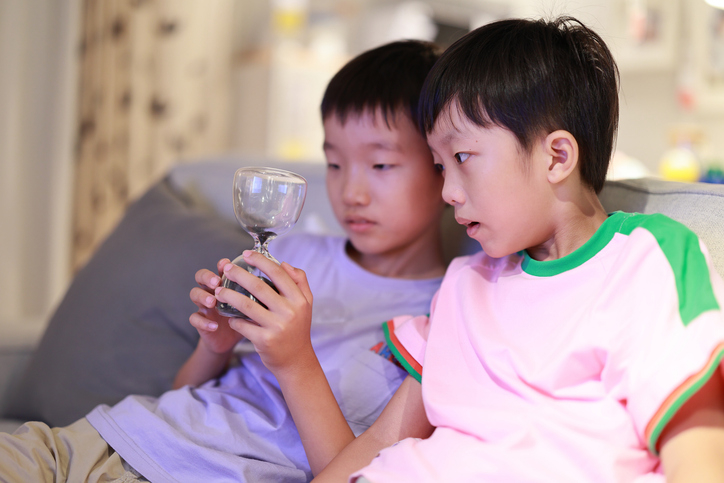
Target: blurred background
{"x": 99, "y": 98}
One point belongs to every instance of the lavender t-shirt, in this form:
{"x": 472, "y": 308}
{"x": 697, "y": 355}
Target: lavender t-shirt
{"x": 238, "y": 428}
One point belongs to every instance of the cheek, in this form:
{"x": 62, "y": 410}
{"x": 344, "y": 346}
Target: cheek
{"x": 420, "y": 198}
{"x": 430, "y": 185}
{"x": 335, "y": 195}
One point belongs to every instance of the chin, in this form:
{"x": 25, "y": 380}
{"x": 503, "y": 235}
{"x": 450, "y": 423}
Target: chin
{"x": 495, "y": 252}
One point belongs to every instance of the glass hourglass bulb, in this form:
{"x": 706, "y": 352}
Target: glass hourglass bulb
{"x": 267, "y": 203}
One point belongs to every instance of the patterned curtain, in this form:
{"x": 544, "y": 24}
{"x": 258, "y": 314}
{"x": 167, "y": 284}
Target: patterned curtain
{"x": 154, "y": 90}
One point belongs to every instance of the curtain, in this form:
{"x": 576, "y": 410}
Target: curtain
{"x": 154, "y": 91}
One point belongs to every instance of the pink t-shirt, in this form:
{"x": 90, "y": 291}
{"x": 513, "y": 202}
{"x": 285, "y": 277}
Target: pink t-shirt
{"x": 565, "y": 370}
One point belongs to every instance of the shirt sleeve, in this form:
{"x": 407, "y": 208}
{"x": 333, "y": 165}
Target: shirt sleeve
{"x": 668, "y": 351}
{"x": 406, "y": 337}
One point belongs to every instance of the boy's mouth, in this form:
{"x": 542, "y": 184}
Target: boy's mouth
{"x": 358, "y": 224}
{"x": 471, "y": 226}
{"x": 466, "y": 223}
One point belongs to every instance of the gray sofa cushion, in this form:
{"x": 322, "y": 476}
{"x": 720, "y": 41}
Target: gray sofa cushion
{"x": 122, "y": 328}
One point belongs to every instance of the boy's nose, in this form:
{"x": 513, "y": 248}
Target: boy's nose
{"x": 451, "y": 193}
{"x": 356, "y": 191}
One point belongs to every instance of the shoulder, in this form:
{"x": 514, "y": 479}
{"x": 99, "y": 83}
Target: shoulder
{"x": 666, "y": 231}
{"x": 677, "y": 244}
{"x": 300, "y": 246}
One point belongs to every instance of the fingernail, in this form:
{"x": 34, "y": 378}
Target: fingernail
{"x": 209, "y": 300}
{"x": 215, "y": 281}
{"x": 227, "y": 267}
{"x": 217, "y": 290}
{"x": 212, "y": 326}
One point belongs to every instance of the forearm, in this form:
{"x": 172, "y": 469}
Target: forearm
{"x": 323, "y": 429}
{"x": 354, "y": 457}
{"x": 403, "y": 417}
{"x": 201, "y": 366}
{"x": 692, "y": 443}
{"x": 695, "y": 455}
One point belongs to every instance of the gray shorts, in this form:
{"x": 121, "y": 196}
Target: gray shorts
{"x": 38, "y": 453}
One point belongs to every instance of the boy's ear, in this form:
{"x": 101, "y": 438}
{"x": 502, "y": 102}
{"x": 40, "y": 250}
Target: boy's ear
{"x": 561, "y": 151}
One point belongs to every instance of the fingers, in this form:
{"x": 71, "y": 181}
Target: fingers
{"x": 282, "y": 278}
{"x": 300, "y": 279}
{"x": 240, "y": 301}
{"x": 202, "y": 298}
{"x": 207, "y": 278}
{"x": 246, "y": 328}
{"x": 221, "y": 264}
{"x": 201, "y": 323}
{"x": 250, "y": 282}
{"x": 262, "y": 338}
{"x": 294, "y": 292}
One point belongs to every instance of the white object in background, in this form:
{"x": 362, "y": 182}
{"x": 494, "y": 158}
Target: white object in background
{"x": 278, "y": 92}
{"x": 388, "y": 23}
{"x": 624, "y": 166}
{"x": 412, "y": 20}
{"x": 716, "y": 3}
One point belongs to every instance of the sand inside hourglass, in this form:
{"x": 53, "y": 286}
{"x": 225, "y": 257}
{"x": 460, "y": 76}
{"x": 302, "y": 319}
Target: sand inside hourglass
{"x": 264, "y": 237}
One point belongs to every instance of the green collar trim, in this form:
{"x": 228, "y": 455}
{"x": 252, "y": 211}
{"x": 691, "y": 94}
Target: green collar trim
{"x": 585, "y": 252}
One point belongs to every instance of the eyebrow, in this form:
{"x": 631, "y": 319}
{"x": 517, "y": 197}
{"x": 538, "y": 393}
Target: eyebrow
{"x": 387, "y": 146}
{"x": 451, "y": 134}
{"x": 383, "y": 145}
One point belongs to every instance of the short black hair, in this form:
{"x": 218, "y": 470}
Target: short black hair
{"x": 388, "y": 78}
{"x": 532, "y": 77}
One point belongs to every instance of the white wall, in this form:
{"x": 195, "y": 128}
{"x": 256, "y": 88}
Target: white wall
{"x": 37, "y": 103}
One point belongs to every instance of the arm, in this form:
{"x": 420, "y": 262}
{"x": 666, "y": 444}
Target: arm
{"x": 203, "y": 365}
{"x": 403, "y": 417}
{"x": 281, "y": 337}
{"x": 692, "y": 444}
{"x": 217, "y": 339}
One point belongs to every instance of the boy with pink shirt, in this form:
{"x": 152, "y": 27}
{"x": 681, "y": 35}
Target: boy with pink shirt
{"x": 578, "y": 345}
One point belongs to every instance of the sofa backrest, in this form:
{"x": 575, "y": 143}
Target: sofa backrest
{"x": 700, "y": 206}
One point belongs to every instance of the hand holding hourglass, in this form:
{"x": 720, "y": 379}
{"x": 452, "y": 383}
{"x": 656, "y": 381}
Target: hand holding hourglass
{"x": 267, "y": 203}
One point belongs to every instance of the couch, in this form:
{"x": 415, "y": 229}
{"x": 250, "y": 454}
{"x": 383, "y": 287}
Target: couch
{"x": 122, "y": 327}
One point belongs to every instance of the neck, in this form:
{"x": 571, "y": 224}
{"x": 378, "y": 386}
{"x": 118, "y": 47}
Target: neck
{"x": 574, "y": 224}
{"x": 421, "y": 260}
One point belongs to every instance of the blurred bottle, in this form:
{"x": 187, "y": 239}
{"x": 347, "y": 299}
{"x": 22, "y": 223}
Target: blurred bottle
{"x": 681, "y": 163}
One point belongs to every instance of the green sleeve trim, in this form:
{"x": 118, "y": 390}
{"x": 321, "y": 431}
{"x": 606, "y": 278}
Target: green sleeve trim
{"x": 683, "y": 398}
{"x": 398, "y": 355}
{"x": 681, "y": 247}
{"x": 578, "y": 257}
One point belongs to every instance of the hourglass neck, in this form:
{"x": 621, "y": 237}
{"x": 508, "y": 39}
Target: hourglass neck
{"x": 261, "y": 242}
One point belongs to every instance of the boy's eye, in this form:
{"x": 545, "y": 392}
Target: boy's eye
{"x": 382, "y": 167}
{"x": 461, "y": 157}
{"x": 439, "y": 167}
{"x": 332, "y": 166}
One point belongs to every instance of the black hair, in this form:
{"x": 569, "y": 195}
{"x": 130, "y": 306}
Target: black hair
{"x": 388, "y": 78}
{"x": 532, "y": 77}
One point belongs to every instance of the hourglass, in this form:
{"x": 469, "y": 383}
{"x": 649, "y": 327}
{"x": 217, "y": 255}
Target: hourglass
{"x": 267, "y": 203}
